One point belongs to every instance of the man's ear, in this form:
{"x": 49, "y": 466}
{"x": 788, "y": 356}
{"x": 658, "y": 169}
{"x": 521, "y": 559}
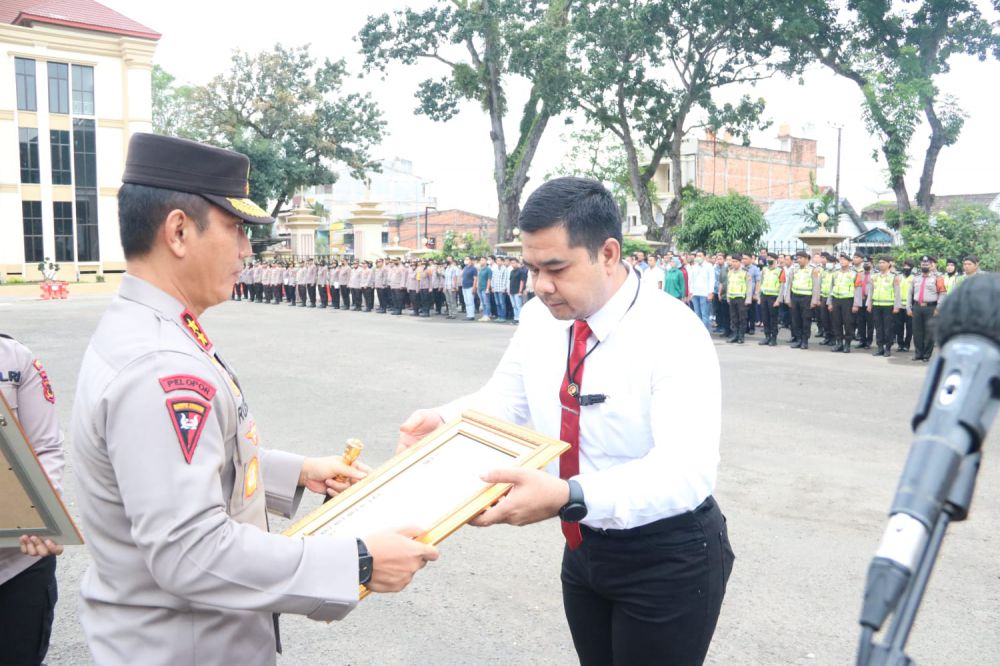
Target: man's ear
{"x": 611, "y": 254}
{"x": 177, "y": 231}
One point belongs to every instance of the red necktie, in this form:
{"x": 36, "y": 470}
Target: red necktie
{"x": 569, "y": 427}
{"x": 920, "y": 297}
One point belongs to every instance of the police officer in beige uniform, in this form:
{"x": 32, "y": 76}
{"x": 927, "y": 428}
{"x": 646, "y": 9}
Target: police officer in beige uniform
{"x": 28, "y": 576}
{"x": 173, "y": 476}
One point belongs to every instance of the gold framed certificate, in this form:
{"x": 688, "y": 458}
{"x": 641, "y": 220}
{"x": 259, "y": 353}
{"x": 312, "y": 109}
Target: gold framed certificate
{"x": 436, "y": 483}
{"x": 28, "y": 502}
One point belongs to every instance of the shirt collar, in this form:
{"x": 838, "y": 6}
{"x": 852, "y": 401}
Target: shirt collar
{"x": 604, "y": 320}
{"x": 140, "y": 291}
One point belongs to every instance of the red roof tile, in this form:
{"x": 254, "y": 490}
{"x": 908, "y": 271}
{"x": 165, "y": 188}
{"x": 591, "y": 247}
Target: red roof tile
{"x": 80, "y": 14}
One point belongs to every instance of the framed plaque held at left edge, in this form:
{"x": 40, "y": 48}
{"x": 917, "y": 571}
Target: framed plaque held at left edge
{"x": 28, "y": 502}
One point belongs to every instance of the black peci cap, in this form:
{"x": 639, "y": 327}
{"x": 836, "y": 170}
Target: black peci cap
{"x": 219, "y": 175}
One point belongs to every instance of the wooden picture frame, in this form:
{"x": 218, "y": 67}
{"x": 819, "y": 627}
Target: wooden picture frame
{"x": 434, "y": 484}
{"x": 29, "y": 504}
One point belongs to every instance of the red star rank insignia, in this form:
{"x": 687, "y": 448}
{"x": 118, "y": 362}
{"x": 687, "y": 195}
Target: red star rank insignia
{"x": 46, "y": 384}
{"x": 188, "y": 418}
{"x": 192, "y": 326}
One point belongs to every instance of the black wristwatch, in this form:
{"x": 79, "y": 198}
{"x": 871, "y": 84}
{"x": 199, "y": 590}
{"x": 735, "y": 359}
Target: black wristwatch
{"x": 574, "y": 510}
{"x": 365, "y": 563}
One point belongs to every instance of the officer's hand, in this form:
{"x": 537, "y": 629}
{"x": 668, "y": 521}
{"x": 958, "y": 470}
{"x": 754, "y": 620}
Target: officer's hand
{"x": 420, "y": 424}
{"x": 534, "y": 496}
{"x": 776, "y": 304}
{"x": 329, "y": 475}
{"x": 396, "y": 556}
{"x": 829, "y": 308}
{"x": 35, "y": 547}
{"x": 854, "y": 310}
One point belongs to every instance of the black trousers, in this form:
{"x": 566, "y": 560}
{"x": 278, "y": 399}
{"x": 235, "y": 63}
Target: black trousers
{"x": 258, "y": 292}
{"x": 383, "y": 299}
{"x": 769, "y": 315}
{"x": 753, "y": 309}
{"x": 425, "y": 297}
{"x": 369, "y": 295}
{"x": 27, "y": 607}
{"x": 397, "y": 299}
{"x": 290, "y": 293}
{"x": 334, "y": 297}
{"x": 722, "y": 316}
{"x": 356, "y": 298}
{"x": 865, "y": 326}
{"x": 649, "y": 595}
{"x": 885, "y": 322}
{"x": 345, "y": 297}
{"x": 843, "y": 318}
{"x": 324, "y": 296}
{"x": 923, "y": 341}
{"x": 904, "y": 328}
{"x": 826, "y": 325}
{"x": 801, "y": 316}
{"x": 414, "y": 299}
{"x": 738, "y": 316}
{"x": 311, "y": 290}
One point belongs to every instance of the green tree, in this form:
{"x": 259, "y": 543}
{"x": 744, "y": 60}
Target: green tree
{"x": 959, "y": 231}
{"x": 597, "y": 154}
{"x": 290, "y": 116}
{"x": 649, "y": 71}
{"x": 730, "y": 223}
{"x": 171, "y": 105}
{"x": 894, "y": 53}
{"x": 501, "y": 40}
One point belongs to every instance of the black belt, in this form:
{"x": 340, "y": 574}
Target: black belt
{"x": 681, "y": 520}
{"x": 930, "y": 304}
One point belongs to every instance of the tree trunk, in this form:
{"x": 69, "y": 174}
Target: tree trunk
{"x": 277, "y": 206}
{"x": 510, "y": 208}
{"x": 938, "y": 141}
{"x": 902, "y": 197}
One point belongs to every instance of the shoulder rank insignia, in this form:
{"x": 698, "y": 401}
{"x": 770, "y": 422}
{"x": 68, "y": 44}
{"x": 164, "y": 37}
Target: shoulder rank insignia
{"x": 187, "y": 383}
{"x": 188, "y": 418}
{"x": 192, "y": 326}
{"x": 46, "y": 384}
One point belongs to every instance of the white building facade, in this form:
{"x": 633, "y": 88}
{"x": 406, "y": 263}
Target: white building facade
{"x": 73, "y": 89}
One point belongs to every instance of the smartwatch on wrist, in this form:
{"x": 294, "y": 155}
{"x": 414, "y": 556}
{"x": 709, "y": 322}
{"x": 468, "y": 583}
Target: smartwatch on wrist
{"x": 365, "y": 563}
{"x": 574, "y": 510}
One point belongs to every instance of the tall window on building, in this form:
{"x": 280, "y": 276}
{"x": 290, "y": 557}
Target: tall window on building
{"x": 28, "y": 140}
{"x": 85, "y": 168}
{"x": 58, "y": 87}
{"x": 62, "y": 169}
{"x": 24, "y": 73}
{"x": 84, "y": 153}
{"x": 31, "y": 213}
{"x": 83, "y": 90}
{"x": 87, "y": 244}
{"x": 62, "y": 213}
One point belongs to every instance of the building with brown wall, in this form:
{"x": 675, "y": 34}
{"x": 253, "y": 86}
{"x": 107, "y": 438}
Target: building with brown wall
{"x": 410, "y": 227}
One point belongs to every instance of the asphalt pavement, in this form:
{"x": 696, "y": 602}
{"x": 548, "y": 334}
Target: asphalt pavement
{"x": 812, "y": 447}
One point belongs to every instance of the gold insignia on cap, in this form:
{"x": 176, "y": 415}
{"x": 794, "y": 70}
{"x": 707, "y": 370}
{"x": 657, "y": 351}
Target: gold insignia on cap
{"x": 247, "y": 206}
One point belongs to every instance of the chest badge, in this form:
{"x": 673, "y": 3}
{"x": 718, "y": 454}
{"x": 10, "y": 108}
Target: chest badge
{"x": 251, "y": 478}
{"x": 251, "y": 433}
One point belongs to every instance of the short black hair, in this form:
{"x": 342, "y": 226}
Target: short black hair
{"x": 582, "y": 205}
{"x": 142, "y": 210}
{"x": 973, "y": 258}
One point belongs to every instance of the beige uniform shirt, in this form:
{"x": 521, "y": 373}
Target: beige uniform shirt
{"x": 26, "y": 388}
{"x": 173, "y": 485}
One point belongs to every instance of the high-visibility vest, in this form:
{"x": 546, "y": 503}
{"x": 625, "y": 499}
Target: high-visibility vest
{"x": 843, "y": 284}
{"x": 802, "y": 282}
{"x": 737, "y": 287}
{"x": 883, "y": 291}
{"x": 905, "y": 286}
{"x": 770, "y": 281}
{"x": 826, "y": 283}
{"x": 950, "y": 282}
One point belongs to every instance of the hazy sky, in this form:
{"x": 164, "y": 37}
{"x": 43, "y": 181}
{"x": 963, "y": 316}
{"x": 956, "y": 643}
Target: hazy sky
{"x": 198, "y": 38}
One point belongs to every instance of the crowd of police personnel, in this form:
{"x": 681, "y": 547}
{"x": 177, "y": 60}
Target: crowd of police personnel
{"x": 854, "y": 300}
{"x": 419, "y": 287}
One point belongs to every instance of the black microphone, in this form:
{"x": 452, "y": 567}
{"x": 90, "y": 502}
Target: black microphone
{"x": 957, "y": 404}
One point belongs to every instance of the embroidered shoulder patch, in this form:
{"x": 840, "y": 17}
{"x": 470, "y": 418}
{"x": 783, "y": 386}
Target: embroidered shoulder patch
{"x": 187, "y": 383}
{"x": 192, "y": 326}
{"x": 188, "y": 418}
{"x": 46, "y": 384}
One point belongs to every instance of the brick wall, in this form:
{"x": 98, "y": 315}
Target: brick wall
{"x": 438, "y": 222}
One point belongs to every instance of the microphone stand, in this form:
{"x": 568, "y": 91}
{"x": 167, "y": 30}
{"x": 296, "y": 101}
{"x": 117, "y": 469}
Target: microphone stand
{"x": 956, "y": 508}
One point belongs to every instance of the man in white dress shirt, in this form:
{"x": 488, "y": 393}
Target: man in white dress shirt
{"x": 647, "y": 553}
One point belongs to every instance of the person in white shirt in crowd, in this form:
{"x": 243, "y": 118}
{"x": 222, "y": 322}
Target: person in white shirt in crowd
{"x": 647, "y": 554}
{"x": 653, "y": 277}
{"x": 701, "y": 282}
